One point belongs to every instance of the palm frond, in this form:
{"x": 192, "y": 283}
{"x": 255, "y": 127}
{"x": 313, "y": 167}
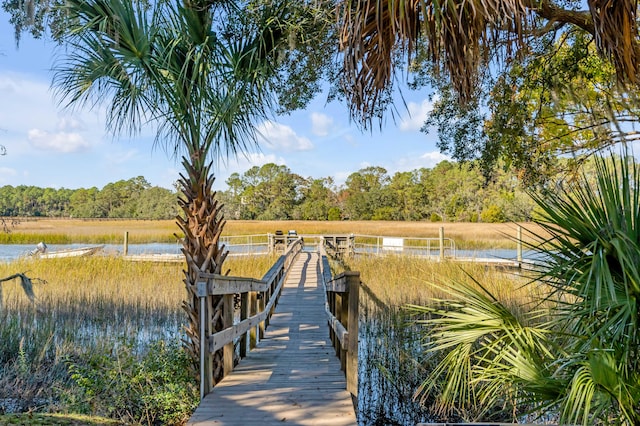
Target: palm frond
{"x": 25, "y": 282}
{"x": 461, "y": 36}
{"x": 490, "y": 349}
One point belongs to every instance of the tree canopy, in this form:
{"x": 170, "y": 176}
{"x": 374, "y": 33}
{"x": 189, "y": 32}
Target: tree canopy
{"x": 520, "y": 81}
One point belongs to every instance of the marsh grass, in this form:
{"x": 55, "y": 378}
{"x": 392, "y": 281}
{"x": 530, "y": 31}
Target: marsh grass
{"x": 393, "y": 361}
{"x": 64, "y": 231}
{"x": 87, "y": 306}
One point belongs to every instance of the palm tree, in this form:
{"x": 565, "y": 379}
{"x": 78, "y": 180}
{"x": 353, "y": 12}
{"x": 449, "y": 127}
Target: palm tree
{"x": 578, "y": 353}
{"x": 460, "y": 36}
{"x": 202, "y": 72}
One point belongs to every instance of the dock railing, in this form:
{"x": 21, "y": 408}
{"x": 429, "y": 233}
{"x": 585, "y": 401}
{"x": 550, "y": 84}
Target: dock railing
{"x": 342, "y": 308}
{"x": 258, "y": 299}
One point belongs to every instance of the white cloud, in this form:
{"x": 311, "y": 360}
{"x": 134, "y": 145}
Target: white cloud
{"x": 339, "y": 178}
{"x": 70, "y": 123}
{"x": 320, "y": 124}
{"x": 25, "y": 101}
{"x": 122, "y": 157}
{"x": 416, "y": 116}
{"x": 428, "y": 160}
{"x": 245, "y": 162}
{"x": 6, "y": 171}
{"x": 6, "y": 174}
{"x": 29, "y": 113}
{"x": 241, "y": 164}
{"x": 60, "y": 142}
{"x": 280, "y": 137}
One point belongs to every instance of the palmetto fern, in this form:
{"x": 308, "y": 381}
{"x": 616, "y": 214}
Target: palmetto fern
{"x": 581, "y": 354}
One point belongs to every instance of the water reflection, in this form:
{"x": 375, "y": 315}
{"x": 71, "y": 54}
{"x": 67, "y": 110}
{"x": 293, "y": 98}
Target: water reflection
{"x": 391, "y": 363}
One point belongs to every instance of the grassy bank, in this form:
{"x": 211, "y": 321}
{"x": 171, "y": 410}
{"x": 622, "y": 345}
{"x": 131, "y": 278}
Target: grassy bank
{"x": 102, "y": 337}
{"x": 63, "y": 231}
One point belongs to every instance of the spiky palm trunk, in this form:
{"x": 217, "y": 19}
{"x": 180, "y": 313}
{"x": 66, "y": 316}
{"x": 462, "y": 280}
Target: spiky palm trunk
{"x": 201, "y": 223}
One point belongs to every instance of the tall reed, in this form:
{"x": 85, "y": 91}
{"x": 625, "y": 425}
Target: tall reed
{"x": 61, "y": 231}
{"x": 84, "y": 307}
{"x": 392, "y": 360}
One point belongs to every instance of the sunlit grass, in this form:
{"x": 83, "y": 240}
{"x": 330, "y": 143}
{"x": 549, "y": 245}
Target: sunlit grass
{"x": 84, "y": 305}
{"x": 63, "y": 231}
{"x": 399, "y": 280}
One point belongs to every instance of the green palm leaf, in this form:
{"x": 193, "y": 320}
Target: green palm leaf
{"x": 580, "y": 357}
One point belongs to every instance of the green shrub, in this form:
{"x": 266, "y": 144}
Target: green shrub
{"x": 153, "y": 388}
{"x": 492, "y": 214}
{"x": 334, "y": 214}
{"x": 384, "y": 213}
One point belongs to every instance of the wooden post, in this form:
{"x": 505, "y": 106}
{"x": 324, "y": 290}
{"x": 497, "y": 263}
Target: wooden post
{"x": 227, "y": 320}
{"x": 125, "y": 249}
{"x": 245, "y": 341}
{"x": 253, "y": 310}
{"x": 441, "y": 243}
{"x": 519, "y": 244}
{"x": 267, "y": 296}
{"x": 201, "y": 292}
{"x": 261, "y": 304}
{"x": 344, "y": 317}
{"x": 331, "y": 297}
{"x": 353, "y": 283}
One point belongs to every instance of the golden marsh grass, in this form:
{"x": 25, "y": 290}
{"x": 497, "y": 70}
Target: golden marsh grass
{"x": 465, "y": 235}
{"x": 398, "y": 280}
{"x": 93, "y": 306}
{"x": 85, "y": 300}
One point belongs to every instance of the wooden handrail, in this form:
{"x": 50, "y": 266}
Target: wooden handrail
{"x": 342, "y": 298}
{"x": 258, "y": 299}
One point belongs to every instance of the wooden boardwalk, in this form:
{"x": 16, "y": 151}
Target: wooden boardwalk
{"x": 293, "y": 376}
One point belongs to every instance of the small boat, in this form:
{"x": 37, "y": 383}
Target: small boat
{"x": 42, "y": 252}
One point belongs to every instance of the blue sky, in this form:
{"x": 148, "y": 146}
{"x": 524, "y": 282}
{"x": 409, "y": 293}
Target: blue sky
{"x": 49, "y": 147}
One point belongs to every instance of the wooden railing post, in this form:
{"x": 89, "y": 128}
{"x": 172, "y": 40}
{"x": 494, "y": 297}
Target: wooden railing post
{"x": 227, "y": 320}
{"x": 331, "y": 301}
{"x": 344, "y": 316}
{"x": 253, "y": 310}
{"x": 205, "y": 384}
{"x": 351, "y": 372}
{"x": 519, "y": 244}
{"x": 261, "y": 304}
{"x": 245, "y": 312}
{"x": 342, "y": 307}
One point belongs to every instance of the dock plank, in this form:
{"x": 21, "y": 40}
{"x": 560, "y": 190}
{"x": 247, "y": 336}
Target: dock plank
{"x": 293, "y": 377}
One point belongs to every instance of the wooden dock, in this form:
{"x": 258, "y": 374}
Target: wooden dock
{"x": 293, "y": 376}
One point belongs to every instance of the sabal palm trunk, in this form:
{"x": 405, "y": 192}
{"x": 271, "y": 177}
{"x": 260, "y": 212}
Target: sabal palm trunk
{"x": 201, "y": 223}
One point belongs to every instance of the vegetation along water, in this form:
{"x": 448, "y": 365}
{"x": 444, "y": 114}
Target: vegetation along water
{"x": 103, "y": 337}
{"x": 440, "y": 341}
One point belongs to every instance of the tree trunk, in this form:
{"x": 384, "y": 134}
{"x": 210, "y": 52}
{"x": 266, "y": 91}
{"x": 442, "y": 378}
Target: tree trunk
{"x": 201, "y": 222}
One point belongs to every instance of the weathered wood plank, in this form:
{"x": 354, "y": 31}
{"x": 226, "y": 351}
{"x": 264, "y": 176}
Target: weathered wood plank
{"x": 292, "y": 376}
{"x": 224, "y": 284}
{"x": 228, "y": 335}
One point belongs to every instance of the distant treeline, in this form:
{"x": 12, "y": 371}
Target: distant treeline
{"x": 134, "y": 198}
{"x": 448, "y": 192}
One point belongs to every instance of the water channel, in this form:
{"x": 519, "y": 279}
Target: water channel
{"x": 10, "y": 252}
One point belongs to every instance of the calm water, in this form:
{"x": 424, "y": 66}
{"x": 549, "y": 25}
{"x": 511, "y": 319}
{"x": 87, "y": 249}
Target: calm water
{"x": 10, "y": 252}
{"x": 14, "y": 251}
